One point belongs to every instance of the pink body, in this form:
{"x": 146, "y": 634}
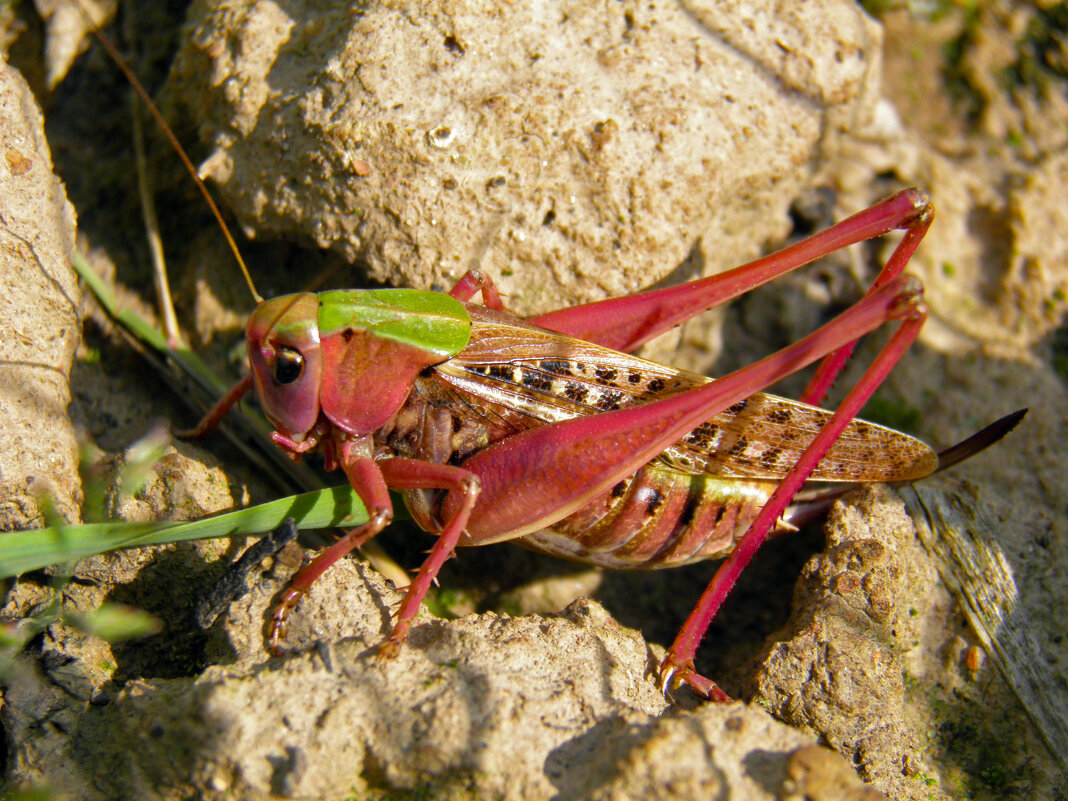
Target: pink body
{"x": 549, "y": 432}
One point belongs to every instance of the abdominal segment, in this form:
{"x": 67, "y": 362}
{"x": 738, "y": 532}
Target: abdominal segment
{"x": 657, "y": 518}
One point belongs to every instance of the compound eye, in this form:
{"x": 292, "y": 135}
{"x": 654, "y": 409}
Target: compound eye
{"x": 288, "y": 365}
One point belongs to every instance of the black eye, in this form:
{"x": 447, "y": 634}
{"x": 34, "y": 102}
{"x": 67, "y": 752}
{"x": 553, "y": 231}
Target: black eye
{"x": 288, "y": 366}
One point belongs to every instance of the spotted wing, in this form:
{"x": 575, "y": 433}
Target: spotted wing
{"x": 516, "y": 374}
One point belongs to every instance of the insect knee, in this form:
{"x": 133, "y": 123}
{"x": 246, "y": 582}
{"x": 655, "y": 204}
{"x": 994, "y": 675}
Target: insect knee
{"x": 380, "y": 517}
{"x": 471, "y": 486}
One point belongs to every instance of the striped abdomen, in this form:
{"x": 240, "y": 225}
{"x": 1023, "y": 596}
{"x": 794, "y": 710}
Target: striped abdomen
{"x": 657, "y": 518}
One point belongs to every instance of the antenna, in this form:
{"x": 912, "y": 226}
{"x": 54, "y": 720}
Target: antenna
{"x": 141, "y": 93}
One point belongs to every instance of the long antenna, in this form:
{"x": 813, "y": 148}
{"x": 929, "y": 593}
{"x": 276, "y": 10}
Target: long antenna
{"x": 141, "y": 93}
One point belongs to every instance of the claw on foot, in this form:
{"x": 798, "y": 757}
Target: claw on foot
{"x": 388, "y": 650}
{"x": 279, "y": 626}
{"x": 671, "y": 676}
{"x": 391, "y": 647}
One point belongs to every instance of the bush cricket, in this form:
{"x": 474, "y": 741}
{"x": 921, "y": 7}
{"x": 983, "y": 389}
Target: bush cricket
{"x": 550, "y": 432}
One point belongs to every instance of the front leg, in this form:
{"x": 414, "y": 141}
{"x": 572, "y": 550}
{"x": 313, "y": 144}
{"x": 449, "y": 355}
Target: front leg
{"x": 371, "y": 481}
{"x": 367, "y": 480}
{"x": 412, "y": 474}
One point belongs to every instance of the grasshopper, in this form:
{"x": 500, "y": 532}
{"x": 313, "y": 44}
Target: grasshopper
{"x": 550, "y": 432}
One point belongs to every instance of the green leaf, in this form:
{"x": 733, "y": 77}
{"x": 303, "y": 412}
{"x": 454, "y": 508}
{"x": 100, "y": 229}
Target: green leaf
{"x": 22, "y": 551}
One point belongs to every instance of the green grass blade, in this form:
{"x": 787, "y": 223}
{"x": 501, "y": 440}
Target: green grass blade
{"x": 145, "y": 331}
{"x": 22, "y": 551}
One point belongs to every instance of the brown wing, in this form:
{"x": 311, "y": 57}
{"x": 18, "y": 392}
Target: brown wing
{"x": 547, "y": 377}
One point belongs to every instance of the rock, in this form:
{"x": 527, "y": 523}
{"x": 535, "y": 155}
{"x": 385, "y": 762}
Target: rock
{"x": 837, "y": 671}
{"x": 574, "y": 153}
{"x": 484, "y": 707}
{"x": 39, "y": 320}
